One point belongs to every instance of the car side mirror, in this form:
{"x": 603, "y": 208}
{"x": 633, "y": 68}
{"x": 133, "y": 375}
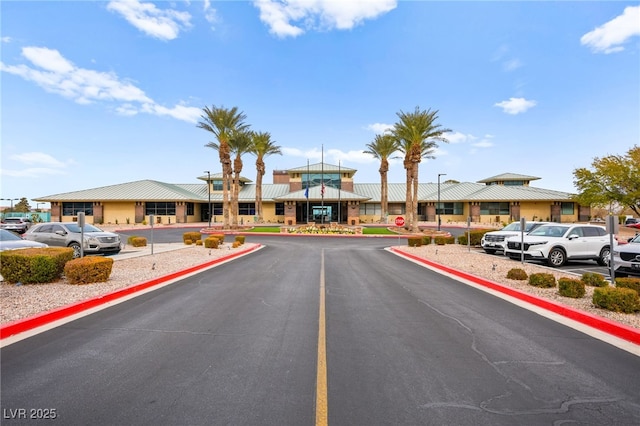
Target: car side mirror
{"x": 62, "y": 233}
{"x": 573, "y": 236}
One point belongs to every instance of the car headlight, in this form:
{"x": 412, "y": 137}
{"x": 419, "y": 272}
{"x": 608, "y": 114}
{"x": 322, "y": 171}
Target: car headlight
{"x": 92, "y": 240}
{"x": 538, "y": 243}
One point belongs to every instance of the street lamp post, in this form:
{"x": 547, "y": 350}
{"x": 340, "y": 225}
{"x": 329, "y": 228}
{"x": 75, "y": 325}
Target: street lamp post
{"x": 209, "y": 193}
{"x": 438, "y": 209}
{"x": 10, "y": 199}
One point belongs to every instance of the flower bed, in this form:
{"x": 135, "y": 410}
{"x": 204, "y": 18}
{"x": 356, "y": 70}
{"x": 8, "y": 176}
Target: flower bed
{"x": 315, "y": 229}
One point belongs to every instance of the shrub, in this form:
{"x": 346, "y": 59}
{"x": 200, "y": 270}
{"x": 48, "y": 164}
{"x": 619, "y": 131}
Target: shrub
{"x": 517, "y": 274}
{"x": 571, "y": 287}
{"x": 543, "y": 280}
{"x": 188, "y": 242}
{"x": 426, "y": 240}
{"x": 632, "y": 283}
{"x": 240, "y": 239}
{"x": 87, "y": 270}
{"x": 444, "y": 240}
{"x": 414, "y": 242}
{"x": 139, "y": 242}
{"x": 37, "y": 265}
{"x": 594, "y": 280}
{"x": 475, "y": 235}
{"x": 192, "y": 236}
{"x": 236, "y": 244}
{"x": 198, "y": 242}
{"x": 211, "y": 242}
{"x": 220, "y": 237}
{"x": 617, "y": 299}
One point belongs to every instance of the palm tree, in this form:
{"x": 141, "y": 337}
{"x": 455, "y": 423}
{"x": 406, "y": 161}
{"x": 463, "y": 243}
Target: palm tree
{"x": 223, "y": 123}
{"x": 240, "y": 144}
{"x": 417, "y": 135}
{"x": 263, "y": 146}
{"x": 382, "y": 147}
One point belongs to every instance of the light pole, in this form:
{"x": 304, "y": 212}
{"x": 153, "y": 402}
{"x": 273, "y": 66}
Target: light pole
{"x": 438, "y": 209}
{"x": 10, "y": 199}
{"x": 209, "y": 194}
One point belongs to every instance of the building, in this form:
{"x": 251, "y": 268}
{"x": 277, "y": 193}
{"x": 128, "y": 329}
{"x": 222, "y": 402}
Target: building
{"x": 320, "y": 193}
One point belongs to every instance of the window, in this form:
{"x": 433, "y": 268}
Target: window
{"x": 190, "y": 209}
{"x": 513, "y": 183}
{"x": 593, "y": 231}
{"x": 280, "y": 208}
{"x": 450, "y": 208}
{"x": 247, "y": 209}
{"x": 314, "y": 179}
{"x": 370, "y": 209}
{"x": 494, "y": 208}
{"x": 567, "y": 208}
{"x": 217, "y": 209}
{"x": 396, "y": 208}
{"x": 72, "y": 209}
{"x": 160, "y": 208}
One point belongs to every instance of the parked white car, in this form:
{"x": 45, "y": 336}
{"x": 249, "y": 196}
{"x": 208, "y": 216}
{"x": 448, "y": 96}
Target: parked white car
{"x": 495, "y": 240}
{"x": 626, "y": 258}
{"x": 556, "y": 243}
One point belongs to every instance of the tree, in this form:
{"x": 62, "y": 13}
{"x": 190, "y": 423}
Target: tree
{"x": 224, "y": 124}
{"x": 22, "y": 206}
{"x": 613, "y": 179}
{"x": 240, "y": 144}
{"x": 382, "y": 147}
{"x": 262, "y": 147}
{"x": 417, "y": 135}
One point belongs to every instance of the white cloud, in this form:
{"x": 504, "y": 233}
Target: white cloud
{"x": 379, "y": 128}
{"x": 210, "y": 14}
{"x": 609, "y": 37}
{"x": 56, "y": 74}
{"x": 37, "y": 158}
{"x": 38, "y": 164}
{"x": 457, "y": 137}
{"x": 291, "y": 18}
{"x": 516, "y": 105}
{"x": 164, "y": 24}
{"x": 6, "y": 39}
{"x": 512, "y": 65}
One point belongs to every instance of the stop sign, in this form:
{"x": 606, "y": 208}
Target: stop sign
{"x": 399, "y": 221}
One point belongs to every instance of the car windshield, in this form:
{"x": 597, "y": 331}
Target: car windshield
{"x": 513, "y": 226}
{"x": 8, "y": 236}
{"x": 73, "y": 227}
{"x": 635, "y": 239}
{"x": 550, "y": 231}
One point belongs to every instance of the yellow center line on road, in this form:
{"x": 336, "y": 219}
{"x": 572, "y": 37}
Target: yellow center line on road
{"x": 321, "y": 378}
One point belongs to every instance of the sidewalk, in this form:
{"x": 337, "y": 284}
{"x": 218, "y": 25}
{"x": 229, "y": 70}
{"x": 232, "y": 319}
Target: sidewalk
{"x": 130, "y": 252}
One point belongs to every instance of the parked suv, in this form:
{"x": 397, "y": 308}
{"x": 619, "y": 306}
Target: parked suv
{"x": 626, "y": 258}
{"x": 495, "y": 240}
{"x": 556, "y": 243}
{"x": 16, "y": 224}
{"x": 67, "y": 234}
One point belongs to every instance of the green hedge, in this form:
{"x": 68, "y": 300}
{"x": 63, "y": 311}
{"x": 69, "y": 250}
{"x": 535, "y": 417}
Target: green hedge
{"x": 571, "y": 287}
{"x": 543, "y": 280}
{"x": 617, "y": 299}
{"x": 37, "y": 265}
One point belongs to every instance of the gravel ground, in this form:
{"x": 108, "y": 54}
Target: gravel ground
{"x": 23, "y": 301}
{"x": 19, "y": 302}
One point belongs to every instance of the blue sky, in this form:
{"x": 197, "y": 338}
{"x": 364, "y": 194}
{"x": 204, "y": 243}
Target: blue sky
{"x": 102, "y": 93}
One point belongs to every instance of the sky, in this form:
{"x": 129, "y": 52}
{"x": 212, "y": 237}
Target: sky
{"x": 97, "y": 93}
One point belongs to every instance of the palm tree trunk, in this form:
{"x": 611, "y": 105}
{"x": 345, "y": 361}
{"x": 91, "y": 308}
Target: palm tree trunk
{"x": 415, "y": 228}
{"x": 260, "y": 168}
{"x": 408, "y": 202}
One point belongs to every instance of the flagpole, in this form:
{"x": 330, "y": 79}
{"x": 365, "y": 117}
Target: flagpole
{"x": 307, "y": 191}
{"x": 322, "y": 184}
{"x": 339, "y": 187}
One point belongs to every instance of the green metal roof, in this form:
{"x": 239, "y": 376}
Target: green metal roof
{"x": 151, "y": 190}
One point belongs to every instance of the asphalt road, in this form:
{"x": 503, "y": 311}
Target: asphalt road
{"x": 239, "y": 345}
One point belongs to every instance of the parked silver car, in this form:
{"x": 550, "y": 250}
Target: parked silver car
{"x": 626, "y": 258}
{"x": 11, "y": 241}
{"x": 67, "y": 234}
{"x": 16, "y": 224}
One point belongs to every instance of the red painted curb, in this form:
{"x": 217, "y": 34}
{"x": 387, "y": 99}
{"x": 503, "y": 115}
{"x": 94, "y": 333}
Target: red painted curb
{"x": 30, "y": 323}
{"x": 619, "y": 330}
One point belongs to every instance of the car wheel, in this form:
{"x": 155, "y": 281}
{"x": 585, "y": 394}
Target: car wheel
{"x": 605, "y": 255}
{"x": 490, "y": 251}
{"x": 76, "y": 250}
{"x": 557, "y": 258}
